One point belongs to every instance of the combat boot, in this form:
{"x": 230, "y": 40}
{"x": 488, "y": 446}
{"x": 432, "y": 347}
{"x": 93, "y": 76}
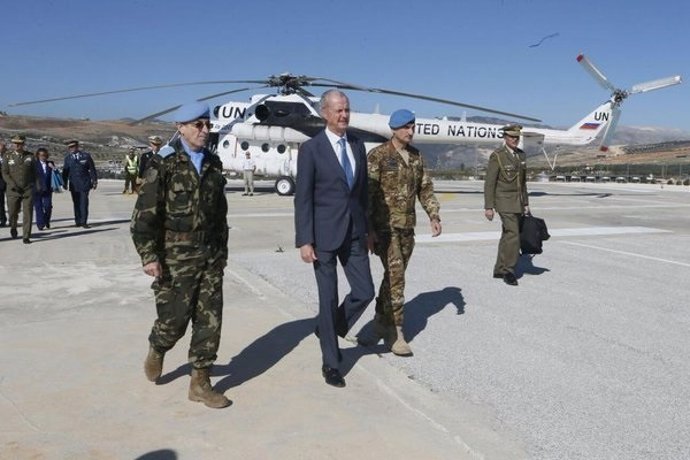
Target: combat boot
{"x": 377, "y": 332}
{"x": 400, "y": 347}
{"x": 200, "y": 390}
{"x": 153, "y": 366}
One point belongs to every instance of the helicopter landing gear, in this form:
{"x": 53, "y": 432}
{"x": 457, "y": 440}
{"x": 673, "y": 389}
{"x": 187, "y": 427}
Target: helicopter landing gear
{"x": 285, "y": 185}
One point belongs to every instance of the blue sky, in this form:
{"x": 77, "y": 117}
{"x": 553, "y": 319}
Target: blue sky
{"x": 471, "y": 51}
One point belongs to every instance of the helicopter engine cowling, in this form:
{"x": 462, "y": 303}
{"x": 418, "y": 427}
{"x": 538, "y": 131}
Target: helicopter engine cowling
{"x": 285, "y": 113}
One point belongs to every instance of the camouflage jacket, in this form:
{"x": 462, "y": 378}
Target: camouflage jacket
{"x": 181, "y": 214}
{"x": 19, "y": 171}
{"x": 505, "y": 187}
{"x": 394, "y": 186}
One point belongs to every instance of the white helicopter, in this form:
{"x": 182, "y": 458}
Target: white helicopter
{"x": 272, "y": 126}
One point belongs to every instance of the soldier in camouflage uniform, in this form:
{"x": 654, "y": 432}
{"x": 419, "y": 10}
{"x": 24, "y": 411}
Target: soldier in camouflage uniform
{"x": 179, "y": 229}
{"x": 396, "y": 178}
{"x": 505, "y": 190}
{"x": 19, "y": 172}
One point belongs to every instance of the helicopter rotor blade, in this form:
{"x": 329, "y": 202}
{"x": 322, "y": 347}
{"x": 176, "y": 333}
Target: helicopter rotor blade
{"x": 595, "y": 73}
{"x": 656, "y": 84}
{"x": 206, "y": 98}
{"x": 426, "y": 98}
{"x": 610, "y": 129}
{"x": 140, "y": 88}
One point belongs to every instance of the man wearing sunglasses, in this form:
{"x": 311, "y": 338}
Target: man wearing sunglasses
{"x": 180, "y": 231}
{"x": 505, "y": 190}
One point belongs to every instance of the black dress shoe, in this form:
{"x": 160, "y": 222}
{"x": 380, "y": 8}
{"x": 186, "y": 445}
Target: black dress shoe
{"x": 13, "y": 232}
{"x": 333, "y": 377}
{"x": 498, "y": 275}
{"x": 86, "y": 226}
{"x": 26, "y": 241}
{"x": 47, "y": 225}
{"x": 510, "y": 279}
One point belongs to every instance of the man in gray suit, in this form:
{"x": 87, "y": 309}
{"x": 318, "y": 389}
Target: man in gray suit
{"x": 331, "y": 225}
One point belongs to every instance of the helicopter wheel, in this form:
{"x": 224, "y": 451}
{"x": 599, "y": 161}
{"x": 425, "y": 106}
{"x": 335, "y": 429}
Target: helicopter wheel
{"x": 285, "y": 185}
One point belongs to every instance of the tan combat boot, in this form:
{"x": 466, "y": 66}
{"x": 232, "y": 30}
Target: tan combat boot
{"x": 153, "y": 366}
{"x": 200, "y": 390}
{"x": 400, "y": 347}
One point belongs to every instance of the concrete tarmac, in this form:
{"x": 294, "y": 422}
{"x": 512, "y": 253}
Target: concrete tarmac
{"x": 584, "y": 359}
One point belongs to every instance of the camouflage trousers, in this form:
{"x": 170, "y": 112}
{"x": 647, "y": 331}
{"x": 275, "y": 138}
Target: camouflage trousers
{"x": 394, "y": 249}
{"x": 190, "y": 289}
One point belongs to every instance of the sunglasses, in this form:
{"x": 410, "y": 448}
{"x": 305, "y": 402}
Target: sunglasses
{"x": 201, "y": 124}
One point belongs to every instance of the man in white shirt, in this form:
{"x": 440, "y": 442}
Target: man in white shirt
{"x": 248, "y": 167}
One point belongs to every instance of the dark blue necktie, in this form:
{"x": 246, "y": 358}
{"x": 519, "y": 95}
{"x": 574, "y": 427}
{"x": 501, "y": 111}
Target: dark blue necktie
{"x": 345, "y": 162}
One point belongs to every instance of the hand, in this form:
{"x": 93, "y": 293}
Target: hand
{"x": 527, "y": 210}
{"x": 489, "y": 214}
{"x": 94, "y": 186}
{"x": 435, "y": 228}
{"x": 372, "y": 239}
{"x": 153, "y": 269}
{"x": 307, "y": 253}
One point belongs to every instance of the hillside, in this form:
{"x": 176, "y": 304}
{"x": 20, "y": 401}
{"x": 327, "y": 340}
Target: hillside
{"x": 103, "y": 139}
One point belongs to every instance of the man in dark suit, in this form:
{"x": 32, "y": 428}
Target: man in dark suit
{"x": 331, "y": 225}
{"x": 79, "y": 175}
{"x": 43, "y": 192}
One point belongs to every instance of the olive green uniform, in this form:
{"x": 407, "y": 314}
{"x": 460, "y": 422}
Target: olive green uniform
{"x": 180, "y": 221}
{"x": 394, "y": 184}
{"x": 19, "y": 172}
{"x": 505, "y": 190}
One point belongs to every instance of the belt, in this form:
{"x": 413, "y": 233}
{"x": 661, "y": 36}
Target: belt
{"x": 176, "y": 237}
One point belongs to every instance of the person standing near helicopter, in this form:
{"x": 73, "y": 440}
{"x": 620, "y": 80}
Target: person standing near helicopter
{"x": 505, "y": 190}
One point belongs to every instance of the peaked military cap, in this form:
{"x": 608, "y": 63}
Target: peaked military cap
{"x": 514, "y": 130}
{"x": 400, "y": 118}
{"x": 72, "y": 143}
{"x": 191, "y": 112}
{"x": 18, "y": 139}
{"x": 155, "y": 140}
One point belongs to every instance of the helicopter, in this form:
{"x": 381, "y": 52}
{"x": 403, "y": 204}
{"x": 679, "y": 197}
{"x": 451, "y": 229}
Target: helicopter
{"x": 271, "y": 127}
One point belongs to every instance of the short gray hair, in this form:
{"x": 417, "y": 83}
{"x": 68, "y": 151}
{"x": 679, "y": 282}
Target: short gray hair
{"x": 323, "y": 102}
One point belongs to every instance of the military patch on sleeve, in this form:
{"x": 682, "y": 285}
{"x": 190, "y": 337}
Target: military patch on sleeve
{"x": 166, "y": 151}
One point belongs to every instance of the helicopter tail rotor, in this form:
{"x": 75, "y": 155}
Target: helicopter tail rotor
{"x": 619, "y": 95}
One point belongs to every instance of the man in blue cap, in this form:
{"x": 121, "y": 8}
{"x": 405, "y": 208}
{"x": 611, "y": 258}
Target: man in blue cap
{"x": 180, "y": 231}
{"x": 397, "y": 177}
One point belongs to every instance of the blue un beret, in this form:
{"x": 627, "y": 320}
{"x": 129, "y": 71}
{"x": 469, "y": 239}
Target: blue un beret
{"x": 400, "y": 118}
{"x": 191, "y": 111}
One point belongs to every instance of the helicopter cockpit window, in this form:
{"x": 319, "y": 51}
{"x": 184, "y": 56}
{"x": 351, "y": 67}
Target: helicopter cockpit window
{"x": 265, "y": 147}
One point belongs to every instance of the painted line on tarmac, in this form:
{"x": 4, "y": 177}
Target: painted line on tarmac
{"x": 438, "y": 426}
{"x": 558, "y": 232}
{"x": 626, "y": 253}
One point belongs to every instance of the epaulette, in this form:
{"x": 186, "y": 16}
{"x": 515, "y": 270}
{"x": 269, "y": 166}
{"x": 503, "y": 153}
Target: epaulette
{"x": 165, "y": 151}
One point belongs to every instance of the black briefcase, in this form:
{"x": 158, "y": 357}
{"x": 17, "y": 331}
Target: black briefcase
{"x": 532, "y": 232}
